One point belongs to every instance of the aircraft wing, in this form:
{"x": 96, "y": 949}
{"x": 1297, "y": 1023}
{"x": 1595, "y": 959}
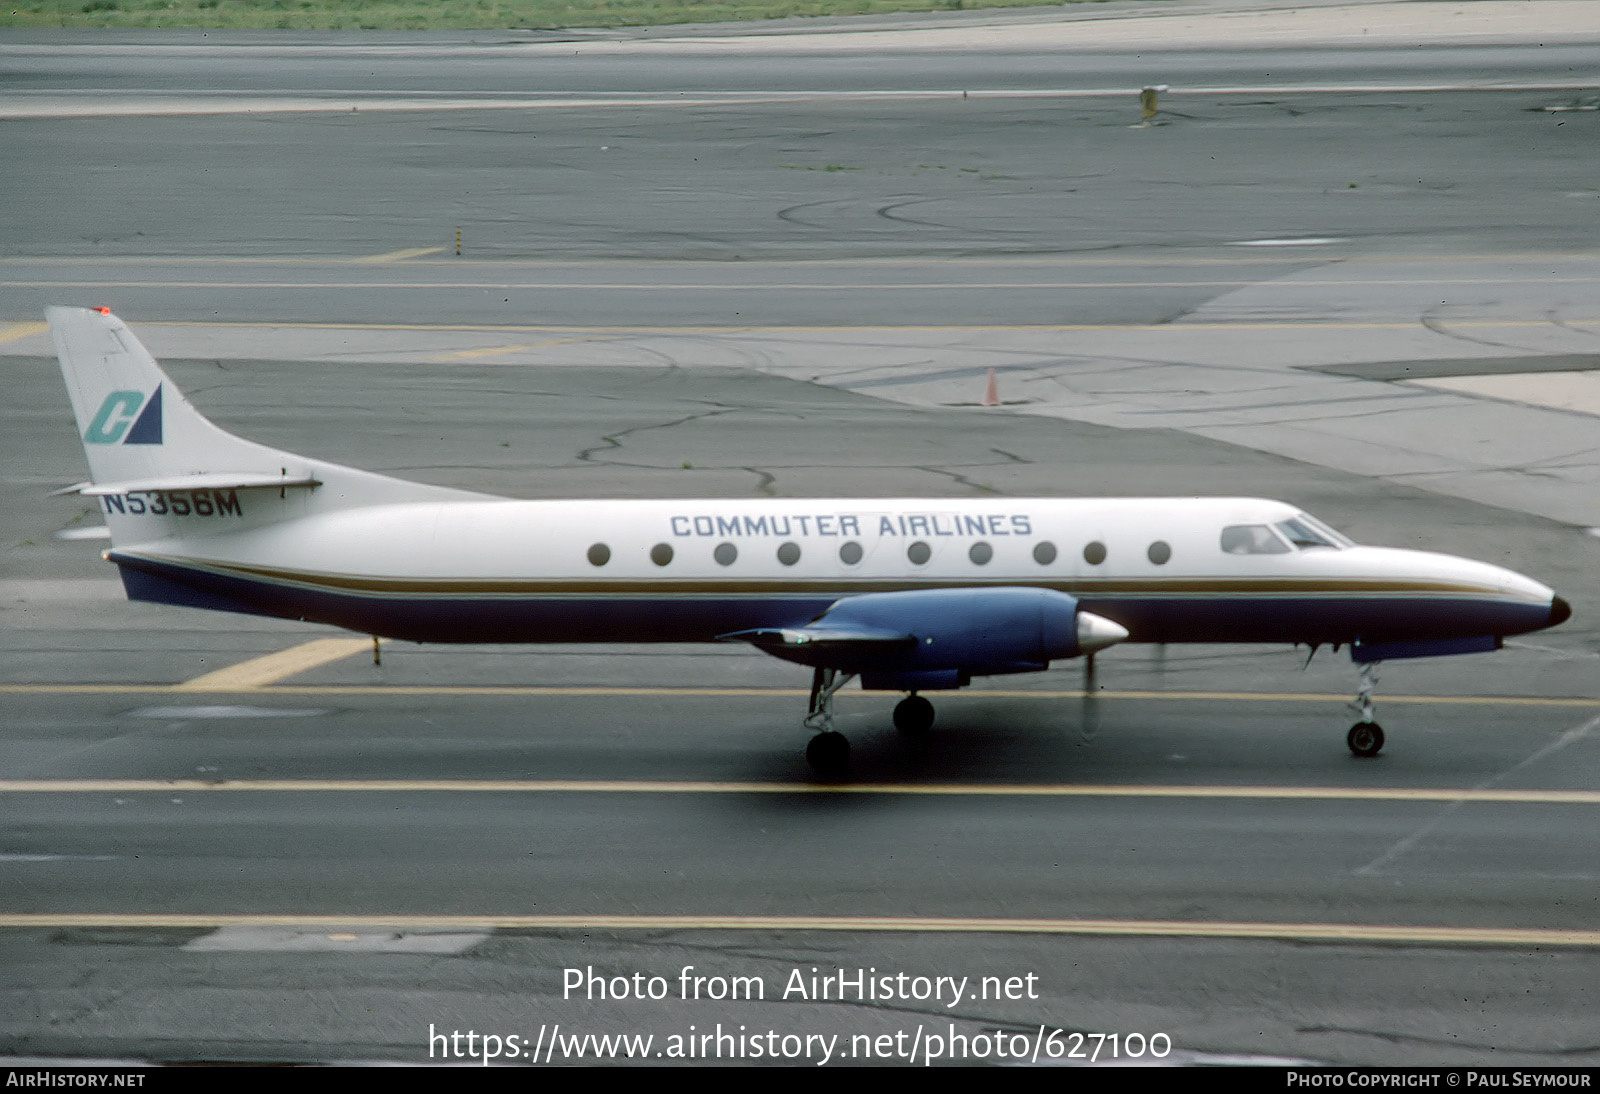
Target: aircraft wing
{"x": 825, "y": 640}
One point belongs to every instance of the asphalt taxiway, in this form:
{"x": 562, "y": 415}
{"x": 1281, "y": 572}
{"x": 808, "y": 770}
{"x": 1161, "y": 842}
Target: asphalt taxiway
{"x": 232, "y": 838}
{"x": 201, "y": 834}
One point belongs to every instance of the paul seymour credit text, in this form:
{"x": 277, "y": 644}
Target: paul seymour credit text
{"x": 1443, "y": 1078}
{"x": 915, "y": 1042}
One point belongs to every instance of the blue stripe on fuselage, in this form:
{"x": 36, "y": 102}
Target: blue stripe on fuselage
{"x": 469, "y": 619}
{"x": 1234, "y": 617}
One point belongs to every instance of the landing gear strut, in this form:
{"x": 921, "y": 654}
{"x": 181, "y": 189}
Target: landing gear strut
{"x": 828, "y": 752}
{"x": 1366, "y": 736}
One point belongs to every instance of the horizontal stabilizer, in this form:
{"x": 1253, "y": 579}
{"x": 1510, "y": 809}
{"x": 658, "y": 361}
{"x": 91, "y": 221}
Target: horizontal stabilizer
{"x": 162, "y": 471}
{"x": 205, "y": 480}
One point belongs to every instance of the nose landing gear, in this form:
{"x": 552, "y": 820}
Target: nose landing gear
{"x": 1366, "y": 736}
{"x": 1365, "y": 739}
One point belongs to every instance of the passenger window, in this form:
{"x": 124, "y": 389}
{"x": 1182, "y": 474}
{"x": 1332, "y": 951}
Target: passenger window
{"x": 1095, "y": 553}
{"x": 661, "y": 554}
{"x": 789, "y": 554}
{"x": 850, "y": 553}
{"x": 1044, "y": 553}
{"x": 919, "y": 553}
{"x": 599, "y": 554}
{"x": 1252, "y": 539}
{"x": 725, "y": 554}
{"x": 1159, "y": 552}
{"x": 980, "y": 553}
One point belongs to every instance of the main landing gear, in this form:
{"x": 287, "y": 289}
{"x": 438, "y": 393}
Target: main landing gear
{"x": 1366, "y": 736}
{"x": 913, "y": 715}
{"x": 829, "y": 752}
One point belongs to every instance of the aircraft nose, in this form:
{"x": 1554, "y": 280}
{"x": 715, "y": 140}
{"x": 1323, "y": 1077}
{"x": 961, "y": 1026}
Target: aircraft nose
{"x": 1560, "y": 611}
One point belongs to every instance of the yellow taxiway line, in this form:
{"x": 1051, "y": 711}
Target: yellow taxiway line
{"x": 1098, "y": 260}
{"x": 753, "y": 286}
{"x": 1057, "y": 328}
{"x": 1299, "y": 932}
{"x": 12, "y": 332}
{"x": 534, "y": 692}
{"x": 1481, "y": 795}
{"x": 260, "y": 671}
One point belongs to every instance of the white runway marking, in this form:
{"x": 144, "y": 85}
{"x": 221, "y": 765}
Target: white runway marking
{"x": 252, "y": 938}
{"x": 1312, "y": 241}
{"x": 20, "y": 105}
{"x": 186, "y": 713}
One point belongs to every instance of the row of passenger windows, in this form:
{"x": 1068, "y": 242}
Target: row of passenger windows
{"x": 1238, "y": 539}
{"x": 918, "y": 553}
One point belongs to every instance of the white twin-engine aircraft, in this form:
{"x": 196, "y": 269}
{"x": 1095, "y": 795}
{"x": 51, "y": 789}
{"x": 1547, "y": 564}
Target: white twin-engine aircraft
{"x": 909, "y": 595}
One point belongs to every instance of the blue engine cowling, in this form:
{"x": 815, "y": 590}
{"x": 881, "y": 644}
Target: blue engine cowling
{"x": 968, "y": 629}
{"x": 940, "y": 638}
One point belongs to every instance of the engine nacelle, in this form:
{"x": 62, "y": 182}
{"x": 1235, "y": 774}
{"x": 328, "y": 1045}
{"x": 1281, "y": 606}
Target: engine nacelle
{"x": 915, "y": 638}
{"x": 964, "y": 628}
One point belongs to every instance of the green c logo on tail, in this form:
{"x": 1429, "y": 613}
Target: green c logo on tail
{"x": 121, "y": 418}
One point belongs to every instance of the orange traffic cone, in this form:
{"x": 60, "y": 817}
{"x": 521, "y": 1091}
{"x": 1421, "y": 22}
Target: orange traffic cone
{"x": 991, "y": 393}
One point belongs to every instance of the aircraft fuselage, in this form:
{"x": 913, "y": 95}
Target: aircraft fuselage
{"x": 691, "y": 571}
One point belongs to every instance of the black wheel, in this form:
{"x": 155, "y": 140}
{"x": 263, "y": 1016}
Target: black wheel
{"x": 1365, "y": 738}
{"x": 913, "y": 714}
{"x": 828, "y": 753}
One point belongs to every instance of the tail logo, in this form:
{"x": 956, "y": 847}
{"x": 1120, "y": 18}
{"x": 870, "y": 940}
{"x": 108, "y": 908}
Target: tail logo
{"x": 127, "y": 417}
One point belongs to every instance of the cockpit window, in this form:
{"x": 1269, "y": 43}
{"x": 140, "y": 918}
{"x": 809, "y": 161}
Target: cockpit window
{"x": 1335, "y": 539}
{"x": 1252, "y": 539}
{"x": 1304, "y": 532}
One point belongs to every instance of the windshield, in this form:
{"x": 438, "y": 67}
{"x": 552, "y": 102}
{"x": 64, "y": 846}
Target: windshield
{"x": 1334, "y": 537}
{"x": 1304, "y": 532}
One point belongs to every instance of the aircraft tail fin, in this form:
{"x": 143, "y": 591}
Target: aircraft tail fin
{"x": 134, "y": 423}
{"x": 159, "y": 465}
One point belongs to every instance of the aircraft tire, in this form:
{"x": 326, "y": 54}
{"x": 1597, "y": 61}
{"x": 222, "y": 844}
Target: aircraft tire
{"x": 1365, "y": 739}
{"x": 828, "y": 753}
{"x": 913, "y": 715}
